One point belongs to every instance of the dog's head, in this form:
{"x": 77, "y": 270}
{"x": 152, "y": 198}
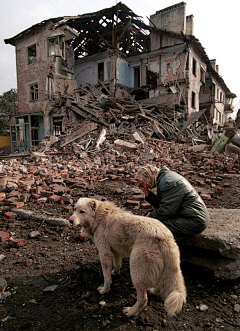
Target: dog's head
{"x": 85, "y": 215}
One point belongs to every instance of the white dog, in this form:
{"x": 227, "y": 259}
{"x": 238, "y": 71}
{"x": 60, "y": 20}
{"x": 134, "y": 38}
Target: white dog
{"x": 154, "y": 254}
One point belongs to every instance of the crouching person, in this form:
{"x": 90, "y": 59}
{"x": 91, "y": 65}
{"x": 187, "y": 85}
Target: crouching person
{"x": 177, "y": 204}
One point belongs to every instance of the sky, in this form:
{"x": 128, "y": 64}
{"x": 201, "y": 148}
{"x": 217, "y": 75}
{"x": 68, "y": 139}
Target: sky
{"x": 215, "y": 25}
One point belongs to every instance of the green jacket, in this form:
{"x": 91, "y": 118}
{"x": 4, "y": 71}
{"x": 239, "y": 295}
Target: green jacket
{"x": 177, "y": 199}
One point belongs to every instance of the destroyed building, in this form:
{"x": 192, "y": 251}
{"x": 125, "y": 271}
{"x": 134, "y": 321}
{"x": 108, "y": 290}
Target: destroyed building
{"x": 115, "y": 52}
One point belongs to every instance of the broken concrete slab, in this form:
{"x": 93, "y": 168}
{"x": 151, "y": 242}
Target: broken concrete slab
{"x": 37, "y": 217}
{"x": 217, "y": 249}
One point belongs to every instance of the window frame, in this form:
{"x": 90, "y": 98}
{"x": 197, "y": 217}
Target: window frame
{"x": 193, "y": 100}
{"x": 33, "y": 92}
{"x": 194, "y": 67}
{"x": 34, "y": 58}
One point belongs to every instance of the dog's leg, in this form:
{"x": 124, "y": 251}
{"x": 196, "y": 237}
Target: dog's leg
{"x": 117, "y": 264}
{"x": 106, "y": 262}
{"x": 140, "y": 303}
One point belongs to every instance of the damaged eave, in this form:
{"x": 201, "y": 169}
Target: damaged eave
{"x": 30, "y": 31}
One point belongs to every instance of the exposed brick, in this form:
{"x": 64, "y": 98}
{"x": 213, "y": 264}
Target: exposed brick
{"x": 35, "y": 196}
{"x": 17, "y": 204}
{"x": 18, "y": 242}
{"x": 10, "y": 215}
{"x": 133, "y": 203}
{"x": 55, "y": 198}
{"x": 4, "y": 236}
{"x": 206, "y": 197}
{"x": 66, "y": 200}
{"x": 11, "y": 200}
{"x": 227, "y": 185}
{"x": 145, "y": 205}
{"x": 139, "y": 197}
{"x": 118, "y": 190}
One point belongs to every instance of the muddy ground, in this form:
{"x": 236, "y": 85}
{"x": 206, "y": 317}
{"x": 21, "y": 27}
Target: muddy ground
{"x": 52, "y": 281}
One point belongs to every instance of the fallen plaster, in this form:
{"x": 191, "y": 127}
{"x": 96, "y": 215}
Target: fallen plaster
{"x": 218, "y": 247}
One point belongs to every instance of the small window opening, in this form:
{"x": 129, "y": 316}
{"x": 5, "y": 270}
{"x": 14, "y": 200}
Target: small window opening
{"x": 101, "y": 71}
{"x": 32, "y": 53}
{"x": 202, "y": 76}
{"x": 34, "y": 92}
{"x": 57, "y": 126}
{"x": 194, "y": 67}
{"x": 137, "y": 77}
{"x": 193, "y": 99}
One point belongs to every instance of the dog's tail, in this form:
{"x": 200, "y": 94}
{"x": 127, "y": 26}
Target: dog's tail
{"x": 174, "y": 302}
{"x": 174, "y": 290}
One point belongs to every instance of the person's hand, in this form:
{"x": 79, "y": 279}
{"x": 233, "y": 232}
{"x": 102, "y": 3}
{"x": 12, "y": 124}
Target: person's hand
{"x": 148, "y": 214}
{"x": 144, "y": 187}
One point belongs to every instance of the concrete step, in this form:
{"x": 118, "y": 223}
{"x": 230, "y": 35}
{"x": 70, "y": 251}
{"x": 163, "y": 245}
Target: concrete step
{"x": 217, "y": 249}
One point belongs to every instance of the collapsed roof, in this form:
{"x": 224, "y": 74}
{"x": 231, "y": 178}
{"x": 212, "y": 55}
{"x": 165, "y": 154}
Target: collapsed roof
{"x": 117, "y": 27}
{"x": 114, "y": 27}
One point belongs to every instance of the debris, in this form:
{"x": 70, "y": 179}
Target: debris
{"x": 51, "y": 288}
{"x": 34, "y": 234}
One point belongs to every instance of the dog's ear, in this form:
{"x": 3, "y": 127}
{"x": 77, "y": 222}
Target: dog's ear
{"x": 93, "y": 205}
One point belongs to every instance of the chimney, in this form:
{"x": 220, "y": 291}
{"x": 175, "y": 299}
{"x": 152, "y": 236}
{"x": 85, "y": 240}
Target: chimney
{"x": 189, "y": 25}
{"x": 172, "y": 18}
{"x": 213, "y": 63}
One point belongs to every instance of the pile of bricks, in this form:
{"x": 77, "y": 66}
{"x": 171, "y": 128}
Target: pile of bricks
{"x": 51, "y": 177}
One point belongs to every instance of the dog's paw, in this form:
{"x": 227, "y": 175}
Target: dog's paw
{"x": 103, "y": 289}
{"x": 128, "y": 311}
{"x": 115, "y": 272}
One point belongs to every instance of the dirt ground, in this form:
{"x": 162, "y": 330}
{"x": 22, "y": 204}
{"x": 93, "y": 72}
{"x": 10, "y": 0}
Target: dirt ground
{"x": 52, "y": 281}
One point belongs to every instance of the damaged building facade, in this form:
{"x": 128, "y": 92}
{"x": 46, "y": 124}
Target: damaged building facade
{"x": 115, "y": 51}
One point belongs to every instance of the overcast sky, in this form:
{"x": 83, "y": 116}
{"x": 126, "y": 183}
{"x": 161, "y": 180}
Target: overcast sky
{"x": 215, "y": 25}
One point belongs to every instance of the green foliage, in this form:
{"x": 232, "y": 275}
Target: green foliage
{"x": 8, "y": 108}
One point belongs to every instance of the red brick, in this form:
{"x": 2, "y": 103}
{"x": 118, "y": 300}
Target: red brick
{"x": 10, "y": 215}
{"x": 145, "y": 205}
{"x": 35, "y": 196}
{"x": 118, "y": 190}
{"x": 66, "y": 200}
{"x": 18, "y": 242}
{"x": 227, "y": 185}
{"x": 4, "y": 236}
{"x": 206, "y": 197}
{"x": 14, "y": 194}
{"x": 138, "y": 197}
{"x": 17, "y": 204}
{"x": 55, "y": 198}
{"x": 133, "y": 203}
{"x": 11, "y": 200}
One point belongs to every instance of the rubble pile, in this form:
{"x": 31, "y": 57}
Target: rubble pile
{"x": 58, "y": 171}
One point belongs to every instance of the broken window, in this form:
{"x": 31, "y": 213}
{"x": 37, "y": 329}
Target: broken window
{"x": 202, "y": 78}
{"x": 57, "y": 126}
{"x": 101, "y": 71}
{"x": 56, "y": 46}
{"x": 32, "y": 53}
{"x": 137, "y": 77}
{"x": 33, "y": 92}
{"x": 221, "y": 96}
{"x": 194, "y": 67}
{"x": 193, "y": 99}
